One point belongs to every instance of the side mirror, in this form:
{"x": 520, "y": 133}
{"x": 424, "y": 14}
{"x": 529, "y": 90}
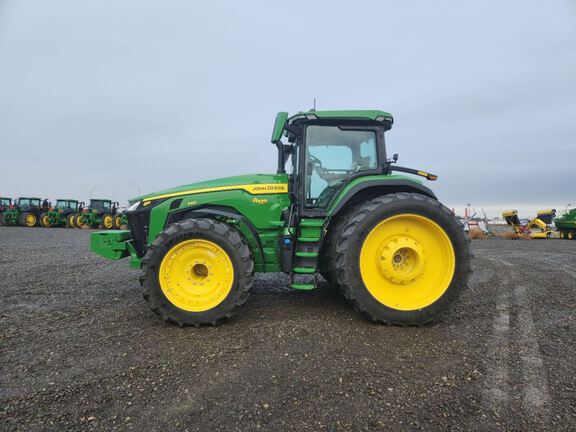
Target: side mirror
{"x": 395, "y": 157}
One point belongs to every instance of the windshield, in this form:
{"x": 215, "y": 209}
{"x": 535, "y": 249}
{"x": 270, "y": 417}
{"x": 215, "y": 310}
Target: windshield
{"x": 332, "y": 156}
{"x": 61, "y": 203}
{"x": 5, "y": 201}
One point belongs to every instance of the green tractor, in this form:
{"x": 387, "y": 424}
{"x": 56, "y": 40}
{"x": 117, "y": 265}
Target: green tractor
{"x": 100, "y": 213}
{"x": 5, "y": 204}
{"x": 342, "y": 212}
{"x": 62, "y": 215}
{"x": 566, "y": 224}
{"x": 26, "y": 212}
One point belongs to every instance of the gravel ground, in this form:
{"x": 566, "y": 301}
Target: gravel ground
{"x": 80, "y": 350}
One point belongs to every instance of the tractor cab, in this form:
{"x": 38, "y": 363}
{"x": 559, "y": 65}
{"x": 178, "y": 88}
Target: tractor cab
{"x": 25, "y": 204}
{"x": 103, "y": 205}
{"x": 66, "y": 206}
{"x": 5, "y": 203}
{"x": 329, "y": 150}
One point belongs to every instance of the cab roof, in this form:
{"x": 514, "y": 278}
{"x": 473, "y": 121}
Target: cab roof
{"x": 375, "y": 115}
{"x": 282, "y": 118}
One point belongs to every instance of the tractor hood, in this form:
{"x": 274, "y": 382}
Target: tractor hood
{"x": 253, "y": 183}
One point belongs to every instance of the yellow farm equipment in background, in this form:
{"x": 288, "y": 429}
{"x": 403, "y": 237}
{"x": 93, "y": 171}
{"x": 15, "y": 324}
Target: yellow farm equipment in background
{"x": 538, "y": 228}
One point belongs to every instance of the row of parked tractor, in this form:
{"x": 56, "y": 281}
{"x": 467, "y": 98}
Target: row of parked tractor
{"x": 69, "y": 213}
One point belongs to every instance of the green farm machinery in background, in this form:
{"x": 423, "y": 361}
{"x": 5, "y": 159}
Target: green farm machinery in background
{"x": 566, "y": 224}
{"x": 61, "y": 215}
{"x": 25, "y": 211}
{"x": 100, "y": 213}
{"x": 5, "y": 205}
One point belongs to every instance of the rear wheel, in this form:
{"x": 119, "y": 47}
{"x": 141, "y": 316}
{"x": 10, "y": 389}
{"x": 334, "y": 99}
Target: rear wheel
{"x": 402, "y": 259}
{"x": 79, "y": 221}
{"x": 327, "y": 261}
{"x": 28, "y": 219}
{"x": 571, "y": 235}
{"x": 70, "y": 221}
{"x": 562, "y": 235}
{"x": 107, "y": 221}
{"x": 198, "y": 271}
{"x": 45, "y": 220}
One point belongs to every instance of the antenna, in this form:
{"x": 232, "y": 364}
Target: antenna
{"x": 135, "y": 185}
{"x": 92, "y": 190}
{"x": 314, "y": 109}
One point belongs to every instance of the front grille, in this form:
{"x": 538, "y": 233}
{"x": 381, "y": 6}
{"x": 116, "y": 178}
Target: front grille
{"x": 138, "y": 223}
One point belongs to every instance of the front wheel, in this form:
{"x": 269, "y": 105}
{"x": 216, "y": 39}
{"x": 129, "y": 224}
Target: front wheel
{"x": 79, "y": 221}
{"x": 107, "y": 221}
{"x": 70, "y": 220}
{"x": 28, "y": 219}
{"x": 198, "y": 271}
{"x": 118, "y": 222}
{"x": 571, "y": 235}
{"x": 45, "y": 220}
{"x": 402, "y": 259}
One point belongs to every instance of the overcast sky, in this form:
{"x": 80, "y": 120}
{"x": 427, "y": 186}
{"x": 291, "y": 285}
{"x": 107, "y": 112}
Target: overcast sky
{"x": 109, "y": 96}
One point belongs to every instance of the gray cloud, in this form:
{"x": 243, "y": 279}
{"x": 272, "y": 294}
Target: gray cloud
{"x": 99, "y": 94}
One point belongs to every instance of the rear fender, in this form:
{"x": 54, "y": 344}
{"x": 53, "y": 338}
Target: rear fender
{"x": 369, "y": 189}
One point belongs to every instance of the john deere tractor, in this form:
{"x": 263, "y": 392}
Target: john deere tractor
{"x": 100, "y": 213}
{"x": 566, "y": 224}
{"x": 25, "y": 212}
{"x": 5, "y": 204}
{"x": 62, "y": 215}
{"x": 343, "y": 212}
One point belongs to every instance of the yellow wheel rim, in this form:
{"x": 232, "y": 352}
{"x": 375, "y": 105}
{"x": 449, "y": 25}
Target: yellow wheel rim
{"x": 196, "y": 275}
{"x": 80, "y": 222}
{"x": 46, "y": 221}
{"x": 108, "y": 222}
{"x": 407, "y": 262}
{"x": 30, "y": 219}
{"x": 570, "y": 235}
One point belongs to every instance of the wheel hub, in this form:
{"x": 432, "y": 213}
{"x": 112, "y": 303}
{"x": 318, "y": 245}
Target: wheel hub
{"x": 196, "y": 275}
{"x": 402, "y": 260}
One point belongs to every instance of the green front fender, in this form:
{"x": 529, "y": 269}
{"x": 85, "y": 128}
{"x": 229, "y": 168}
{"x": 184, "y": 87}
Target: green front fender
{"x": 115, "y": 245}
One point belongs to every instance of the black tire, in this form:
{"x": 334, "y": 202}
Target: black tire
{"x": 353, "y": 234}
{"x": 2, "y": 220}
{"x": 107, "y": 216}
{"x": 42, "y": 222}
{"x": 78, "y": 222}
{"x": 327, "y": 261}
{"x": 118, "y": 222}
{"x": 70, "y": 220}
{"x": 23, "y": 218}
{"x": 225, "y": 236}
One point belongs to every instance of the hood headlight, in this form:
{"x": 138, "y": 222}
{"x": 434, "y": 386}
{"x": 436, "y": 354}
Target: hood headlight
{"x": 133, "y": 207}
